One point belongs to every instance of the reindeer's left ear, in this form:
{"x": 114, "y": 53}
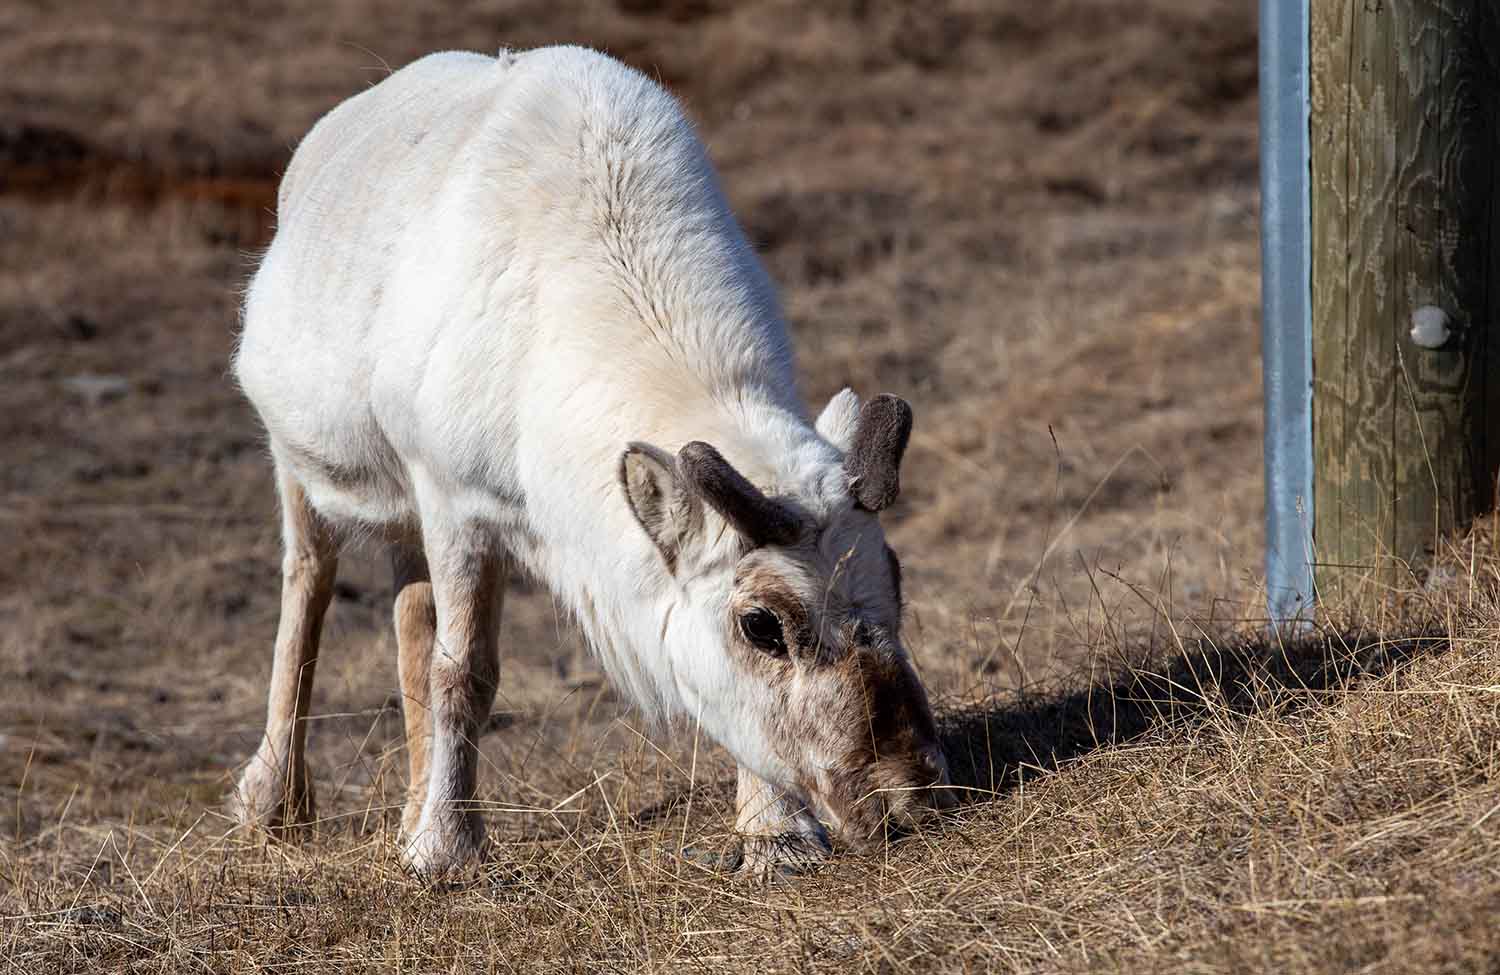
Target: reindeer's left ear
{"x": 666, "y": 507}
{"x": 839, "y": 418}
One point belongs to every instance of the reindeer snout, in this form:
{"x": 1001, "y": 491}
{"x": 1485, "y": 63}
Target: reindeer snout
{"x": 935, "y": 770}
{"x": 927, "y": 791}
{"x": 931, "y": 765}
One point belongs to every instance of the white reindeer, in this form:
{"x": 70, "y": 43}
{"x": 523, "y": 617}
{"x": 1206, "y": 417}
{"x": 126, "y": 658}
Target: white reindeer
{"x": 505, "y": 313}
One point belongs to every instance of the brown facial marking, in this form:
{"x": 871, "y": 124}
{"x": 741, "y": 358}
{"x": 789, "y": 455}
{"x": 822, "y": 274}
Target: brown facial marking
{"x": 849, "y": 713}
{"x": 761, "y": 586}
{"x": 885, "y": 769}
{"x": 897, "y": 715}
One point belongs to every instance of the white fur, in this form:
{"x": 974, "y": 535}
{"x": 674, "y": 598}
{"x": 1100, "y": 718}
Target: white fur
{"x": 489, "y": 276}
{"x": 839, "y": 418}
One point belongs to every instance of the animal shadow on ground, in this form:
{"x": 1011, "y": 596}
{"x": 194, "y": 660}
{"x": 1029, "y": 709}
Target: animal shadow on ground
{"x": 992, "y": 744}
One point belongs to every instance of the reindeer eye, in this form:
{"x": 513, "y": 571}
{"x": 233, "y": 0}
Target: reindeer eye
{"x": 762, "y": 628}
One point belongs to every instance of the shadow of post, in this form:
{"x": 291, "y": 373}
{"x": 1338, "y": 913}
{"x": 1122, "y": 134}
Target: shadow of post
{"x": 988, "y": 744}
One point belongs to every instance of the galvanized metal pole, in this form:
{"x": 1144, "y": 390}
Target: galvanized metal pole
{"x": 1286, "y": 305}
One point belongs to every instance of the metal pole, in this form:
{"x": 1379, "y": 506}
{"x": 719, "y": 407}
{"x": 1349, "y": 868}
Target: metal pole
{"x": 1286, "y": 306}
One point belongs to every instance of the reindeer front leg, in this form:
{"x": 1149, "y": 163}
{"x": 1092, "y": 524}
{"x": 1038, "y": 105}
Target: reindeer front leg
{"x": 780, "y": 835}
{"x": 468, "y": 577}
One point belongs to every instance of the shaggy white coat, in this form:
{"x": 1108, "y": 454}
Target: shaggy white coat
{"x": 489, "y": 276}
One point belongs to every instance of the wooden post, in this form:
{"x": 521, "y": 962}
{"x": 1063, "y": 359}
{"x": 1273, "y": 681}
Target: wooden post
{"x": 1405, "y": 204}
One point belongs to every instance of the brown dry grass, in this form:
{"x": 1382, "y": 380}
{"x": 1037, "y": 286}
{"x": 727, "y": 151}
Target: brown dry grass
{"x": 1322, "y": 802}
{"x": 1036, "y": 221}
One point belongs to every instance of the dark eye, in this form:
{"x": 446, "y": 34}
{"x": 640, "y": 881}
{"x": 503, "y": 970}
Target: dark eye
{"x": 762, "y": 628}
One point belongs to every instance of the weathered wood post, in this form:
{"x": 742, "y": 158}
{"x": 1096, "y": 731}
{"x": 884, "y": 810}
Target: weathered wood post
{"x": 1405, "y": 278}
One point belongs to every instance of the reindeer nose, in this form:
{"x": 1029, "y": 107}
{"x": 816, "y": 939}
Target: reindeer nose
{"x": 935, "y": 770}
{"x": 933, "y": 767}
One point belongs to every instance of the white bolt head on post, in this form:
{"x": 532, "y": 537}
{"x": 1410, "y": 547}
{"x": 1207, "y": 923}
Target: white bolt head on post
{"x": 1429, "y": 327}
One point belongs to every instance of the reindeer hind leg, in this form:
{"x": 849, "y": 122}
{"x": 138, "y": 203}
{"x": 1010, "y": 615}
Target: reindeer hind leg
{"x": 274, "y": 790}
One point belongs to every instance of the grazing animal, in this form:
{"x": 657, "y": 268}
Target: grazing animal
{"x": 507, "y": 319}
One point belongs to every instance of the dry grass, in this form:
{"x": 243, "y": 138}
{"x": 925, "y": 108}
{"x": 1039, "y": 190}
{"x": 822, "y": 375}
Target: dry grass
{"x": 1035, "y": 221}
{"x": 1320, "y": 802}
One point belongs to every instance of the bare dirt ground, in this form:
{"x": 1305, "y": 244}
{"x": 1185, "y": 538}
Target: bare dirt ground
{"x": 1037, "y": 222}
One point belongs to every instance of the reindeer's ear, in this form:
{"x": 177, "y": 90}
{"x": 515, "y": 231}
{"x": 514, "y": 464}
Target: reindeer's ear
{"x": 839, "y": 419}
{"x": 667, "y": 508}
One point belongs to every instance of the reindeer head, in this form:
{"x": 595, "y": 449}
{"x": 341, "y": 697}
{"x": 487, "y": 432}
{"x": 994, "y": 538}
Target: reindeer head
{"x": 786, "y": 636}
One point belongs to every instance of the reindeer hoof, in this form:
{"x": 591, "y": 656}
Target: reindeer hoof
{"x": 435, "y": 852}
{"x": 264, "y": 799}
{"x": 784, "y": 856}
